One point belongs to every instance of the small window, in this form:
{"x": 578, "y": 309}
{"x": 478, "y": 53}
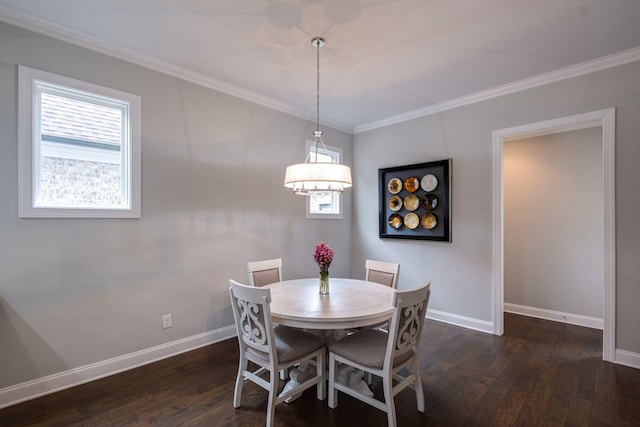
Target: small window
{"x": 324, "y": 204}
{"x": 79, "y": 149}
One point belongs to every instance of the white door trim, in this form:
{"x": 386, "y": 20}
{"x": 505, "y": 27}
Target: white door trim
{"x": 606, "y": 120}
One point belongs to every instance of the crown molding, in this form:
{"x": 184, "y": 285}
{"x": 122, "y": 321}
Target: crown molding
{"x": 603, "y": 63}
{"x": 77, "y": 38}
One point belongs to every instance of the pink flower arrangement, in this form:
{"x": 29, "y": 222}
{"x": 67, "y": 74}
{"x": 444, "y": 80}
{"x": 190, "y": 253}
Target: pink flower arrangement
{"x": 323, "y": 254}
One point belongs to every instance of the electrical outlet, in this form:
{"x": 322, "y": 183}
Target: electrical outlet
{"x": 167, "y": 322}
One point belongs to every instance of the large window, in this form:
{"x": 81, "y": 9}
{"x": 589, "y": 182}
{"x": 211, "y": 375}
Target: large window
{"x": 79, "y": 148}
{"x": 324, "y": 204}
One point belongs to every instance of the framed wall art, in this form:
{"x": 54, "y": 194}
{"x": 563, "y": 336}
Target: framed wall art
{"x": 415, "y": 201}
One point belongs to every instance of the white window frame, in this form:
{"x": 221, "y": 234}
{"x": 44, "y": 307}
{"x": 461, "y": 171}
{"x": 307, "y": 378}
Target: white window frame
{"x": 29, "y": 80}
{"x": 336, "y": 154}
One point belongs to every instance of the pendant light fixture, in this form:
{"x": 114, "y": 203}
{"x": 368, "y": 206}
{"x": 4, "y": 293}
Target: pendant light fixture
{"x": 312, "y": 175}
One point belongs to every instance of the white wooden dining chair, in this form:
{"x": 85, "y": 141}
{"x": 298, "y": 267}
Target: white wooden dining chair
{"x": 264, "y": 272}
{"x": 271, "y": 348}
{"x": 385, "y": 273}
{"x": 385, "y": 354}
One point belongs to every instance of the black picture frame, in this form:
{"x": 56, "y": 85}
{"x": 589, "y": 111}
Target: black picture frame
{"x": 405, "y": 208}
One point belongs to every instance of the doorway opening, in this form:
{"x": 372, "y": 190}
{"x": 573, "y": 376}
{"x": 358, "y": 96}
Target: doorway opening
{"x": 605, "y": 119}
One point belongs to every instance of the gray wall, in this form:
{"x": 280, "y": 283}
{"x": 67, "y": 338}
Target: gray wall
{"x": 553, "y": 222}
{"x": 78, "y": 291}
{"x": 460, "y": 271}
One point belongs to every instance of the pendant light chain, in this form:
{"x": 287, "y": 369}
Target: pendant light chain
{"x": 318, "y": 86}
{"x": 318, "y": 42}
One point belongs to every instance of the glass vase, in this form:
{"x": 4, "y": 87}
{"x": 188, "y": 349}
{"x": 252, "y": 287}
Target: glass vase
{"x": 324, "y": 282}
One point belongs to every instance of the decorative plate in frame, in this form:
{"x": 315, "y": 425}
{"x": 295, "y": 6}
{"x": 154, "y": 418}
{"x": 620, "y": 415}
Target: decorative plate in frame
{"x": 429, "y": 182}
{"x": 430, "y": 201}
{"x": 395, "y": 203}
{"x": 429, "y": 221}
{"x": 411, "y": 221}
{"x": 394, "y": 186}
{"x": 396, "y": 221}
{"x": 411, "y": 184}
{"x": 411, "y": 202}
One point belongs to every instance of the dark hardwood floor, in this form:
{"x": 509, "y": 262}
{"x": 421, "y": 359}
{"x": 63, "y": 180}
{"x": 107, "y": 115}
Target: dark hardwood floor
{"x": 540, "y": 373}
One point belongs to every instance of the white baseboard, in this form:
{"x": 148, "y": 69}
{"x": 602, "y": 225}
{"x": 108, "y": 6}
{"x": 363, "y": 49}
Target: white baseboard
{"x": 455, "y": 319}
{"x": 627, "y": 358}
{"x": 556, "y": 316}
{"x": 622, "y": 357}
{"x": 73, "y": 377}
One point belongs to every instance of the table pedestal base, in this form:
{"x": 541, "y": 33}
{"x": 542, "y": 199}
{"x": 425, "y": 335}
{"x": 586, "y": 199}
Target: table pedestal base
{"x": 350, "y": 376}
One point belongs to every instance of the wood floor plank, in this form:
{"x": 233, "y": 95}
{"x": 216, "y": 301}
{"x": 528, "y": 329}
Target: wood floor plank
{"x": 540, "y": 373}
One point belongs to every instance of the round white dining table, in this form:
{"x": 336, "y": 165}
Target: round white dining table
{"x": 350, "y": 303}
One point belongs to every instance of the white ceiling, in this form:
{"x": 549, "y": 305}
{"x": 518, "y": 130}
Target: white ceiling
{"x": 383, "y": 59}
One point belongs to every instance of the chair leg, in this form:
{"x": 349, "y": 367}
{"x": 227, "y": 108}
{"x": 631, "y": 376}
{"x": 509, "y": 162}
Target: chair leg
{"x": 333, "y": 394}
{"x": 387, "y": 386}
{"x": 418, "y": 383}
{"x": 274, "y": 380}
{"x": 237, "y": 394}
{"x": 320, "y": 372}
